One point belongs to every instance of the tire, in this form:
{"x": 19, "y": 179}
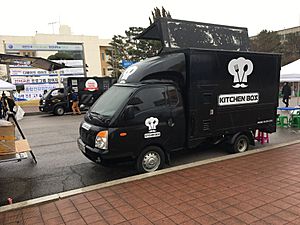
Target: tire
{"x": 151, "y": 159}
{"x": 59, "y": 111}
{"x": 240, "y": 144}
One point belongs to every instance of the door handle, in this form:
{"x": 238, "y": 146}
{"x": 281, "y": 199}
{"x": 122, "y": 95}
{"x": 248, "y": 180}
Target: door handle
{"x": 171, "y": 122}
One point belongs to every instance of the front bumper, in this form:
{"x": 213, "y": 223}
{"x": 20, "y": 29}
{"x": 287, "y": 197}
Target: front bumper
{"x": 44, "y": 108}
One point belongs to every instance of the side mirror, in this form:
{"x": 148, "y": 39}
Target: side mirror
{"x": 129, "y": 112}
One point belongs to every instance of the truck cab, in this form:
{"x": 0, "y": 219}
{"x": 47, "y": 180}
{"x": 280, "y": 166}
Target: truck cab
{"x": 56, "y": 101}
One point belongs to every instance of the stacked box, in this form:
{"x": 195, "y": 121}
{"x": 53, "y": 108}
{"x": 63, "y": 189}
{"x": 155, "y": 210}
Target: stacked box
{"x": 7, "y": 140}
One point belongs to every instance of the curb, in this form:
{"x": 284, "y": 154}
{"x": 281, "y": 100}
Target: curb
{"x": 32, "y": 113}
{"x": 70, "y": 193}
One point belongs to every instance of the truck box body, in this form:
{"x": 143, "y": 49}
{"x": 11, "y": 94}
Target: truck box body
{"x": 215, "y": 107}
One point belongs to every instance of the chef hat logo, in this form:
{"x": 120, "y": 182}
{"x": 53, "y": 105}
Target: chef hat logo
{"x": 240, "y": 69}
{"x": 151, "y": 123}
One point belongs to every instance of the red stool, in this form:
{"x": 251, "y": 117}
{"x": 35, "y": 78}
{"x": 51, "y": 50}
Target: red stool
{"x": 262, "y": 137}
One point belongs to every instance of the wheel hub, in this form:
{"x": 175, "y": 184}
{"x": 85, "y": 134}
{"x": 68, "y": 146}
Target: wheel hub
{"x": 151, "y": 161}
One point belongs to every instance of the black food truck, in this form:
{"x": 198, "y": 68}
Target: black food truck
{"x": 205, "y": 85}
{"x": 57, "y": 100}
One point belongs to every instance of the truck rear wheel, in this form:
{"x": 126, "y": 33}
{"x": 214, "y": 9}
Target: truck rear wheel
{"x": 240, "y": 144}
{"x": 59, "y": 111}
{"x": 151, "y": 159}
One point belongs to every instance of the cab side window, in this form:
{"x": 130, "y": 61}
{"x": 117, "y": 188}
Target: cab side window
{"x": 148, "y": 98}
{"x": 173, "y": 99}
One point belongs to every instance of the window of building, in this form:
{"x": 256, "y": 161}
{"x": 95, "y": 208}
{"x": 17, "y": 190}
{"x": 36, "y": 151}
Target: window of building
{"x": 103, "y": 71}
{"x": 103, "y": 56}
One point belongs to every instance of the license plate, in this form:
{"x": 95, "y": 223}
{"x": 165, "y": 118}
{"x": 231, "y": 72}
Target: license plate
{"x": 86, "y": 126}
{"x": 81, "y": 147}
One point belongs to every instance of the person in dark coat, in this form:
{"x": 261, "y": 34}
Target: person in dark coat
{"x": 286, "y": 93}
{"x": 11, "y": 103}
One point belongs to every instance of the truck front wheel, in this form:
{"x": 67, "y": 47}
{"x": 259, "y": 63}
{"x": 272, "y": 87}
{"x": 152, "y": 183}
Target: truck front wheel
{"x": 59, "y": 111}
{"x": 240, "y": 144}
{"x": 151, "y": 159}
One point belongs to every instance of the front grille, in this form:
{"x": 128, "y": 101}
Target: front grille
{"x": 88, "y": 137}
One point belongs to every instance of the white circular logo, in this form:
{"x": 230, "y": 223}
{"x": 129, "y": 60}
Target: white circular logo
{"x": 91, "y": 85}
{"x": 129, "y": 71}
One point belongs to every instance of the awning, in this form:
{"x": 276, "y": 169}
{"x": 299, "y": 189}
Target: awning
{"x": 290, "y": 72}
{"x": 31, "y": 61}
{"x": 5, "y": 86}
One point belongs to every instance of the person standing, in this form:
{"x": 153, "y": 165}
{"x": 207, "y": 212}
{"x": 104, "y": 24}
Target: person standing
{"x": 0, "y": 109}
{"x": 75, "y": 100}
{"x": 286, "y": 92}
{"x": 11, "y": 103}
{"x": 4, "y": 105}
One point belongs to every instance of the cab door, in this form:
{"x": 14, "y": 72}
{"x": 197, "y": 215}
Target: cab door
{"x": 176, "y": 120}
{"x": 149, "y": 125}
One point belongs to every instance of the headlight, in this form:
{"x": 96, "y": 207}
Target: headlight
{"x": 44, "y": 101}
{"x": 101, "y": 140}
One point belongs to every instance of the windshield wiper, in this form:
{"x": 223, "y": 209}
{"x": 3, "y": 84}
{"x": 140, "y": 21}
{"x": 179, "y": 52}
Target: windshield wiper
{"x": 102, "y": 118}
{"x": 92, "y": 112}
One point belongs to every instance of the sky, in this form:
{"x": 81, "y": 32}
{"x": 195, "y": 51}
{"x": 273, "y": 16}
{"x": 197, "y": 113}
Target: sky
{"x": 112, "y": 17}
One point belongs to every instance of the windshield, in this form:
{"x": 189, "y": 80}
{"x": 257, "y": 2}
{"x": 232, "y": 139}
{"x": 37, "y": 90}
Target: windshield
{"x": 111, "y": 100}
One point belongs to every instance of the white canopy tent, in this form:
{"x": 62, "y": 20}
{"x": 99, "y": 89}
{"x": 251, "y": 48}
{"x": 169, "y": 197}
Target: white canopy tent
{"x": 5, "y": 86}
{"x": 290, "y": 72}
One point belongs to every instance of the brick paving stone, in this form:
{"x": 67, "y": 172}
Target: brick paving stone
{"x": 169, "y": 211}
{"x": 64, "y": 203}
{"x": 154, "y": 216}
{"x": 219, "y": 215}
{"x": 206, "y": 208}
{"x": 97, "y": 202}
{"x": 91, "y": 219}
{"x": 275, "y": 220}
{"x": 206, "y": 219}
{"x": 103, "y": 207}
{"x": 194, "y": 213}
{"x": 244, "y": 206}
{"x": 50, "y": 215}
{"x": 259, "y": 213}
{"x": 179, "y": 218}
{"x": 131, "y": 214}
{"x": 110, "y": 213}
{"x": 140, "y": 221}
{"x": 31, "y": 212}
{"x": 48, "y": 207}
{"x": 84, "y": 205}
{"x": 286, "y": 215}
{"x": 71, "y": 216}
{"x": 92, "y": 196}
{"x": 33, "y": 220}
{"x": 234, "y": 221}
{"x": 88, "y": 211}
{"x": 247, "y": 218}
{"x": 192, "y": 222}
{"x": 76, "y": 222}
{"x": 65, "y": 211}
{"x": 281, "y": 204}
{"x": 124, "y": 208}
{"x": 78, "y": 199}
{"x": 54, "y": 221}
{"x": 232, "y": 211}
{"x": 294, "y": 209}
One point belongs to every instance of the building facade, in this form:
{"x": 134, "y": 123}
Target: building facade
{"x": 85, "y": 52}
